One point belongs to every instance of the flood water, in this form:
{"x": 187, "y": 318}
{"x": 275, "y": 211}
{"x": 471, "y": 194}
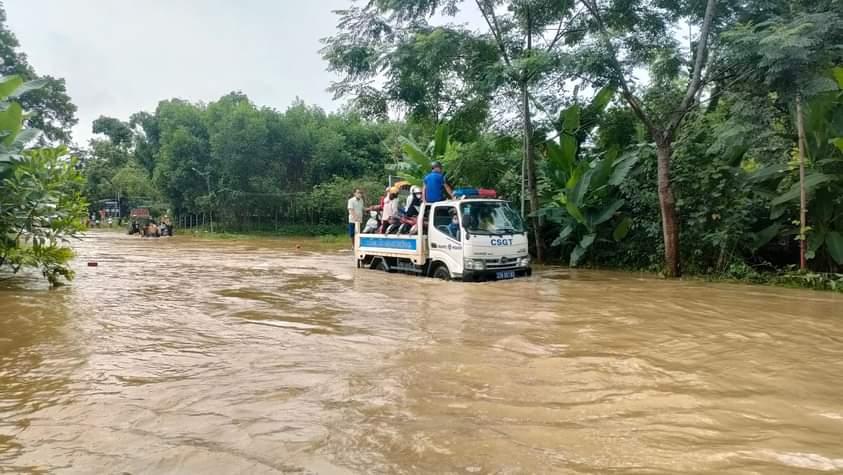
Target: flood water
{"x": 182, "y": 355}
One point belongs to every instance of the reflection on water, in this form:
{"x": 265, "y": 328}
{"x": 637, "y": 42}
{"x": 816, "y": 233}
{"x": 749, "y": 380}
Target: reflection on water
{"x": 182, "y": 355}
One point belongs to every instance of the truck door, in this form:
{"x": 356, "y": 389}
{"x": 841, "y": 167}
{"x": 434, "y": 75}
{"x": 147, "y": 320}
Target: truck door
{"x": 445, "y": 238}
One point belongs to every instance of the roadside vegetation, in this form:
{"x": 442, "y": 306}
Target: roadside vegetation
{"x": 701, "y": 138}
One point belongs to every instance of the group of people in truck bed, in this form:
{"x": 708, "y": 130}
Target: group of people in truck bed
{"x": 389, "y": 216}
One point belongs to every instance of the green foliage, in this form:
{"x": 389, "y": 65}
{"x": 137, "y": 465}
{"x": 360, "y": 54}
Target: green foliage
{"x": 417, "y": 160}
{"x": 13, "y": 138}
{"x": 249, "y": 166}
{"x": 41, "y": 208}
{"x": 328, "y": 199}
{"x": 586, "y": 204}
{"x": 823, "y": 116}
{"x": 810, "y": 280}
{"x": 118, "y": 132}
{"x": 40, "y": 201}
{"x": 787, "y": 53}
{"x": 489, "y": 162}
{"x": 436, "y": 73}
{"x": 722, "y": 210}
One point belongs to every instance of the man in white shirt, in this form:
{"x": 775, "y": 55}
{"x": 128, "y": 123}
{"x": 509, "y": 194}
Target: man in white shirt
{"x": 391, "y": 209}
{"x": 355, "y": 211}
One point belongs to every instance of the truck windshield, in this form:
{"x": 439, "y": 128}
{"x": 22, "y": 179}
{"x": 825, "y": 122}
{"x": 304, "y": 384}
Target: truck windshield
{"x": 491, "y": 218}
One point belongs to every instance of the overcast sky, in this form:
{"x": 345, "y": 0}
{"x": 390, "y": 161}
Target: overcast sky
{"x": 122, "y": 56}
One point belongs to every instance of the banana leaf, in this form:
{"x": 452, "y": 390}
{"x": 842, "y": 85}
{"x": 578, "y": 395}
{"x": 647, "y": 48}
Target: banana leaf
{"x": 606, "y": 213}
{"x": 440, "y": 141}
{"x": 575, "y": 212}
{"x": 580, "y": 189}
{"x": 563, "y": 235}
{"x": 622, "y": 168}
{"x": 622, "y": 229}
{"x": 834, "y": 242}
{"x": 762, "y": 237}
{"x": 812, "y": 180}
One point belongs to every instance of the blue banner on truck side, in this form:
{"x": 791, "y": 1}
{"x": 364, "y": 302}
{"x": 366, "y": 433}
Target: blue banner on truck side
{"x": 384, "y": 243}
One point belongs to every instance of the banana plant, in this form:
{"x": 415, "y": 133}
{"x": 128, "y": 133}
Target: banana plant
{"x": 13, "y": 137}
{"x": 416, "y": 160}
{"x": 586, "y": 204}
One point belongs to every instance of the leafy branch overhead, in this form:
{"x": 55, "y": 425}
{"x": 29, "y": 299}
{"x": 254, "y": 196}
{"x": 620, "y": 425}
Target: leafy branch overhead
{"x": 13, "y": 137}
{"x": 41, "y": 205}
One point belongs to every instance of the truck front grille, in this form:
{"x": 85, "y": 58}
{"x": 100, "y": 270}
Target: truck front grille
{"x": 502, "y": 263}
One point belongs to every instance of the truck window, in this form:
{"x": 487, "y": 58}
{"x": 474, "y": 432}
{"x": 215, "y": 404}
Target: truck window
{"x": 442, "y": 218}
{"x": 491, "y": 218}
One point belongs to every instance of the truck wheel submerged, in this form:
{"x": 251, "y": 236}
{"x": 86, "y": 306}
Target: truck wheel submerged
{"x": 442, "y": 272}
{"x": 381, "y": 266}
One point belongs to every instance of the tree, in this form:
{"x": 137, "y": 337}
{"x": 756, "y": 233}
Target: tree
{"x": 433, "y": 73}
{"x": 184, "y": 147}
{"x": 637, "y": 34}
{"x": 117, "y": 131}
{"x": 147, "y": 135}
{"x": 434, "y": 69}
{"x": 52, "y": 111}
{"x": 234, "y": 159}
{"x": 789, "y": 54}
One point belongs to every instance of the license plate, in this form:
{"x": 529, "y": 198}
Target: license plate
{"x": 508, "y": 274}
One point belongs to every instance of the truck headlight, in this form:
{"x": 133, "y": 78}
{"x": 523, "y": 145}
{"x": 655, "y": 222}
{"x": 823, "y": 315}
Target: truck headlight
{"x": 524, "y": 262}
{"x": 475, "y": 264}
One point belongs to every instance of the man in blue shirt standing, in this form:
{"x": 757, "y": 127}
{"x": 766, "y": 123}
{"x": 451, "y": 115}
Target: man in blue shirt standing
{"x": 435, "y": 184}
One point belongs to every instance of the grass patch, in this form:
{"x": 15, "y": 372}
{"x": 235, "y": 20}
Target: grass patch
{"x": 293, "y": 230}
{"x": 335, "y": 239}
{"x": 331, "y": 239}
{"x": 790, "y": 277}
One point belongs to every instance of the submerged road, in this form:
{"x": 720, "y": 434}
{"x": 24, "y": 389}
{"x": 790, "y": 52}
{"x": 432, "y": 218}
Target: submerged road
{"x": 182, "y": 355}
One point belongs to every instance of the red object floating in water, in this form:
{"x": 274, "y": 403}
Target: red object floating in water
{"x": 92, "y": 263}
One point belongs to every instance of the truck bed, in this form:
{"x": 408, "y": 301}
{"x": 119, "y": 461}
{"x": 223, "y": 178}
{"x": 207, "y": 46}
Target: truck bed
{"x": 392, "y": 245}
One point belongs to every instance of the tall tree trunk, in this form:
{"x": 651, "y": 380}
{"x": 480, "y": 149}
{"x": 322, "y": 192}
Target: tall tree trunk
{"x": 529, "y": 156}
{"x": 667, "y": 203}
{"x": 803, "y": 200}
{"x": 530, "y": 160}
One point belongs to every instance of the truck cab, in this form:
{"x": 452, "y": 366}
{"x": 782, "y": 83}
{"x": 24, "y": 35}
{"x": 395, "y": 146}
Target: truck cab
{"x": 469, "y": 239}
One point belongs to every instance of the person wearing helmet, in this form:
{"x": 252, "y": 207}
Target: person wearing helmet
{"x": 414, "y": 201}
{"x": 435, "y": 184}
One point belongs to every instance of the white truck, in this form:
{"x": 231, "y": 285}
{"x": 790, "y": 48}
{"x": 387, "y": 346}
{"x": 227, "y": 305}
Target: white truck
{"x": 489, "y": 241}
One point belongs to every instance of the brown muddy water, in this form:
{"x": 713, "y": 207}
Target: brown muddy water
{"x": 201, "y": 356}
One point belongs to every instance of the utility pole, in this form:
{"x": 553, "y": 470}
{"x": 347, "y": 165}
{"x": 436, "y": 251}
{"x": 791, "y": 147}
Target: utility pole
{"x": 803, "y": 201}
{"x": 207, "y": 175}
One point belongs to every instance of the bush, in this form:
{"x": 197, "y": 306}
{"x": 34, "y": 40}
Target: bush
{"x": 41, "y": 209}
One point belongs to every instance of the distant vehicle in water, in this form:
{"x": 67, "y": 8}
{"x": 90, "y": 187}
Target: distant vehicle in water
{"x": 142, "y": 224}
{"x": 139, "y": 213}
